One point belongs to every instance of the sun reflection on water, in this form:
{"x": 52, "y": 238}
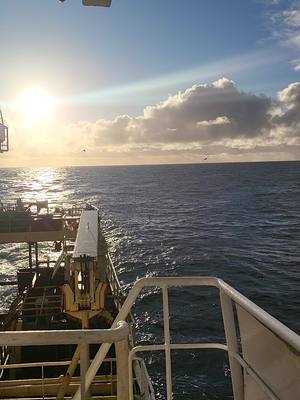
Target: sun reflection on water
{"x": 43, "y": 184}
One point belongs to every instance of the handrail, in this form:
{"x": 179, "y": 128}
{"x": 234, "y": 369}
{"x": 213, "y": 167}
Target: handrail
{"x": 56, "y": 337}
{"x": 117, "y": 334}
{"x": 114, "y": 282}
{"x": 227, "y": 294}
{"x": 285, "y": 333}
{"x": 45, "y": 364}
{"x": 272, "y": 323}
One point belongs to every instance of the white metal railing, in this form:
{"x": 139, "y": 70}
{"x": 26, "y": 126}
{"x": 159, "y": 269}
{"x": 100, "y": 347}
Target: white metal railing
{"x": 109, "y": 376}
{"x": 114, "y": 282}
{"x": 118, "y": 334}
{"x": 228, "y": 297}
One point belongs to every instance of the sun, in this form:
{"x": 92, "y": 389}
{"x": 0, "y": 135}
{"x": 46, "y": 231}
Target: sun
{"x": 36, "y": 106}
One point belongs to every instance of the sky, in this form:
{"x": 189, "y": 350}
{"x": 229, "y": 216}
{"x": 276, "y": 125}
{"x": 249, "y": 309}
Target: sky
{"x": 147, "y": 82}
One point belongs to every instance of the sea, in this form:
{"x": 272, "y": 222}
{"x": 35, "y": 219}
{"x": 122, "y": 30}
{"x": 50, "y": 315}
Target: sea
{"x": 237, "y": 221}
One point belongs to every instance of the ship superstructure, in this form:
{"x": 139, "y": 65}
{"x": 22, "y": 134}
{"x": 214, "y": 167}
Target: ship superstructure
{"x": 69, "y": 331}
{"x": 78, "y": 291}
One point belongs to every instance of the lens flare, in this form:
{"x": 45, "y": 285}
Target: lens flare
{"x": 36, "y": 106}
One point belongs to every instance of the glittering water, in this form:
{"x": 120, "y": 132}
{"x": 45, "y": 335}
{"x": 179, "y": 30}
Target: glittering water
{"x": 240, "y": 222}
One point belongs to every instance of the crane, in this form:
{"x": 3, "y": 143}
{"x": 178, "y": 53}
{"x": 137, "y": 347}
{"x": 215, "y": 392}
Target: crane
{"x": 3, "y": 135}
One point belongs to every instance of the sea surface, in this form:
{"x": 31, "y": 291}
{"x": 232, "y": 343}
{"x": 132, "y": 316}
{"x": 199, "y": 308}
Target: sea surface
{"x": 239, "y": 222}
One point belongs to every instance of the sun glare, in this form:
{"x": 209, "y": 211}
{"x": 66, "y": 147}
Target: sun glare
{"x": 36, "y": 106}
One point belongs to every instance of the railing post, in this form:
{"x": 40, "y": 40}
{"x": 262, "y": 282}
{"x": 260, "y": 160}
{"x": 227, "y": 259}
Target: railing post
{"x": 167, "y": 343}
{"x": 69, "y": 374}
{"x": 122, "y": 353}
{"x": 84, "y": 365}
{"x": 231, "y": 339}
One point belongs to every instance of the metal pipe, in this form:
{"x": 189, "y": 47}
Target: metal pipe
{"x": 45, "y": 364}
{"x": 69, "y": 374}
{"x": 122, "y": 353}
{"x": 179, "y": 346}
{"x": 231, "y": 338}
{"x": 286, "y": 334}
{"x": 167, "y": 342}
{"x": 84, "y": 365}
{"x": 40, "y": 338}
{"x": 270, "y": 322}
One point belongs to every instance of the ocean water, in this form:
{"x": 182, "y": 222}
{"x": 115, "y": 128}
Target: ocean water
{"x": 240, "y": 222}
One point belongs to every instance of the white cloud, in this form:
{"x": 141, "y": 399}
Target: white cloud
{"x": 223, "y": 83}
{"x": 289, "y": 118}
{"x": 210, "y": 116}
{"x": 292, "y": 18}
{"x": 218, "y": 121}
{"x": 202, "y": 113}
{"x": 286, "y": 28}
{"x": 215, "y": 119}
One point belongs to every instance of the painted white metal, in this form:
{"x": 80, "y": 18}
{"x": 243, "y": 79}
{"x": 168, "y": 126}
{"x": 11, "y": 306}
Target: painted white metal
{"x": 290, "y": 340}
{"x": 142, "y": 378}
{"x": 167, "y": 342}
{"x": 35, "y": 364}
{"x": 82, "y": 337}
{"x": 266, "y": 319}
{"x": 87, "y": 235}
{"x": 178, "y": 346}
{"x": 275, "y": 326}
{"x": 232, "y": 343}
{"x": 114, "y": 283}
{"x": 55, "y": 337}
{"x": 69, "y": 374}
{"x": 44, "y": 364}
{"x": 122, "y": 352}
{"x": 275, "y": 362}
{"x": 162, "y": 347}
{"x": 249, "y": 371}
{"x": 84, "y": 364}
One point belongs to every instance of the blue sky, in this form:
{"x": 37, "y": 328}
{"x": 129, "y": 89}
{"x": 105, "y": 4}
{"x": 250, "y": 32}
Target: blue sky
{"x": 101, "y": 63}
{"x": 80, "y": 49}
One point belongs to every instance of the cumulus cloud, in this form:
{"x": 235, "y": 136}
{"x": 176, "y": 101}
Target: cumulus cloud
{"x": 203, "y": 113}
{"x": 211, "y": 117}
{"x": 216, "y": 119}
{"x": 289, "y": 118}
